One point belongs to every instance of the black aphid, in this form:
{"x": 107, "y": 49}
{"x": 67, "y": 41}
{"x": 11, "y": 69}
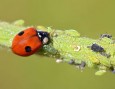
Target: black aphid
{"x": 112, "y": 69}
{"x": 97, "y": 48}
{"x": 82, "y": 65}
{"x": 79, "y": 65}
{"x": 72, "y": 62}
{"x": 105, "y": 54}
{"x": 106, "y": 35}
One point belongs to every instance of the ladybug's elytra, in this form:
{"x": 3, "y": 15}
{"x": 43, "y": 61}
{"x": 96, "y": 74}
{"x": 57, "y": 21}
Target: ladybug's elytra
{"x": 29, "y": 41}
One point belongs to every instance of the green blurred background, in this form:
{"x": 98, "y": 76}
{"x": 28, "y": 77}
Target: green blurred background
{"x": 89, "y": 17}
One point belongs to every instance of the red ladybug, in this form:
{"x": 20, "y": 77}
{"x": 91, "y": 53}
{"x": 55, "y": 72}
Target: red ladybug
{"x": 29, "y": 41}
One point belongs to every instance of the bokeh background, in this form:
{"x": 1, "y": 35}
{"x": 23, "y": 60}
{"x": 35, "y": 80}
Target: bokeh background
{"x": 89, "y": 17}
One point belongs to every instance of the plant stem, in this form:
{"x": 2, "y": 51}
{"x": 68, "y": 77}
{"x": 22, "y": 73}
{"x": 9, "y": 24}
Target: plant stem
{"x": 68, "y": 46}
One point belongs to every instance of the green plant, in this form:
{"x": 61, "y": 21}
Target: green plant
{"x": 68, "y": 46}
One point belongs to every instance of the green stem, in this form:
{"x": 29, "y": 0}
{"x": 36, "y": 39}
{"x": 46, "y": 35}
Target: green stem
{"x": 67, "y": 46}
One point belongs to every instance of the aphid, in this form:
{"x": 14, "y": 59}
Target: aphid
{"x": 105, "y": 54}
{"x": 97, "y": 48}
{"x": 78, "y": 65}
{"x": 112, "y": 69}
{"x": 106, "y": 35}
{"x": 82, "y": 65}
{"x": 72, "y": 62}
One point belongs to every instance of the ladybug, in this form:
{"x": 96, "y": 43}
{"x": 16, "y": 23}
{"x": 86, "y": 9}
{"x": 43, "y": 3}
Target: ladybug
{"x": 28, "y": 41}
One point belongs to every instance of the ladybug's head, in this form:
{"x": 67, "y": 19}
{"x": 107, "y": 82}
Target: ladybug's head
{"x": 44, "y": 36}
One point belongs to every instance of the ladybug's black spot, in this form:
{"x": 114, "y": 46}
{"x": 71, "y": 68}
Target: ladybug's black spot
{"x": 97, "y": 48}
{"x": 28, "y": 49}
{"x": 21, "y": 33}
